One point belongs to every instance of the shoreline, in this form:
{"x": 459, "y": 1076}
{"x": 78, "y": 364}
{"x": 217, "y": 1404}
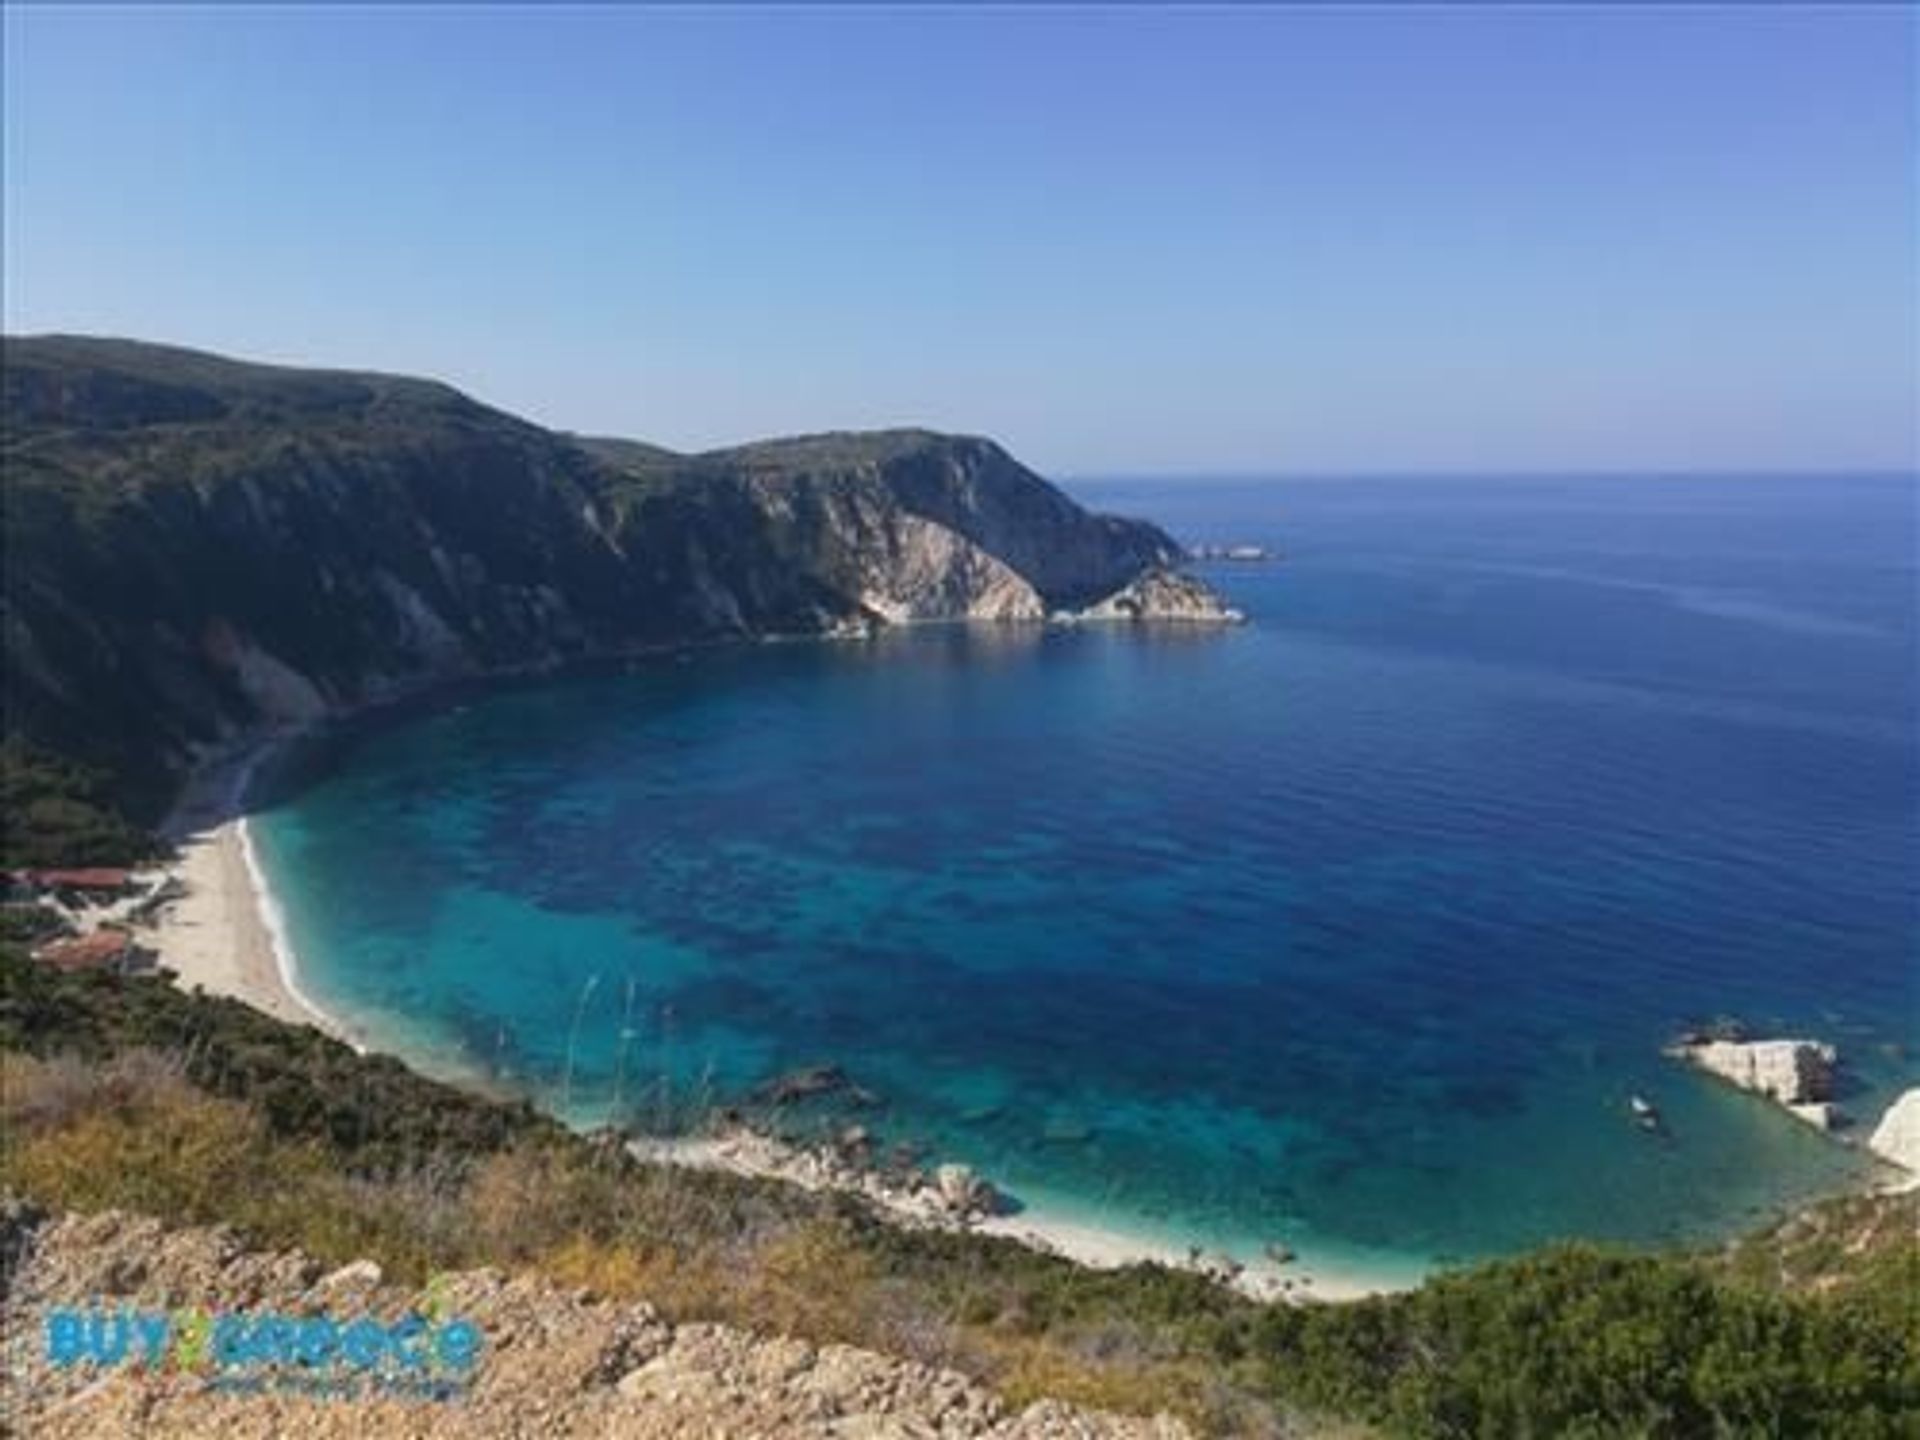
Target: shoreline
{"x": 1043, "y": 1227}
{"x": 226, "y": 935}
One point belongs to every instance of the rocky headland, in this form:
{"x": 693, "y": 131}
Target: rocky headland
{"x": 1159, "y": 595}
{"x": 201, "y": 548}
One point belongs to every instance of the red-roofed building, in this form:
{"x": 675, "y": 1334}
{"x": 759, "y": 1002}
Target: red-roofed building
{"x": 103, "y": 949}
{"x": 93, "y": 885}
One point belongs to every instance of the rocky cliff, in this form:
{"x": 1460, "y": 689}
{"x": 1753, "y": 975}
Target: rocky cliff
{"x": 196, "y": 545}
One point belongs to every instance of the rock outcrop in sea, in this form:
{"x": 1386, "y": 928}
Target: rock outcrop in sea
{"x": 1160, "y": 595}
{"x": 1798, "y": 1074}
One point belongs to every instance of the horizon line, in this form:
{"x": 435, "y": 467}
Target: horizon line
{"x": 1235, "y": 474}
{"x": 1461, "y": 472}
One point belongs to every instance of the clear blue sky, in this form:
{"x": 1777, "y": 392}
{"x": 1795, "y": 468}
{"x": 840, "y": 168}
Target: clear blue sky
{"x": 1119, "y": 240}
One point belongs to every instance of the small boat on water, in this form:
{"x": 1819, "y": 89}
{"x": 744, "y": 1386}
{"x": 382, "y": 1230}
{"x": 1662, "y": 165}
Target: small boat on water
{"x": 1645, "y": 1113}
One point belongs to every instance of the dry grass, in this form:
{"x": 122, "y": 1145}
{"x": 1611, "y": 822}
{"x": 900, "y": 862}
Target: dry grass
{"x": 133, "y": 1134}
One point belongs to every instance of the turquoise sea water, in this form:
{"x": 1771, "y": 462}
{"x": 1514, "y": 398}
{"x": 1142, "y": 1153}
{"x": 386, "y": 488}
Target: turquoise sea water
{"x": 1353, "y": 927}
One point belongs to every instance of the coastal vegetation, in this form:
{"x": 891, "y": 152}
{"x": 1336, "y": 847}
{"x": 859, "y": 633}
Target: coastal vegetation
{"x": 126, "y": 1093}
{"x": 55, "y": 811}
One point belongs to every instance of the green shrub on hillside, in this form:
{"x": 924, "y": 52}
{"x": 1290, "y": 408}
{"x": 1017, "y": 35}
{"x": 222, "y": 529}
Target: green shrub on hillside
{"x": 56, "y": 812}
{"x": 1576, "y": 1341}
{"x": 377, "y": 1114}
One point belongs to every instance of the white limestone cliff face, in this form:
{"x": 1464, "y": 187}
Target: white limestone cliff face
{"x": 921, "y": 570}
{"x": 982, "y": 494}
{"x": 1798, "y": 1074}
{"x": 1897, "y": 1136}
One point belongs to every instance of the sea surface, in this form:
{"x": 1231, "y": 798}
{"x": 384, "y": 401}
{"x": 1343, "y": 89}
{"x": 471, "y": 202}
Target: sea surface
{"x": 1353, "y": 928}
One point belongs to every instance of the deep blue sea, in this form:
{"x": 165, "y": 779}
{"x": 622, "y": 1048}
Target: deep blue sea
{"x": 1353, "y": 927}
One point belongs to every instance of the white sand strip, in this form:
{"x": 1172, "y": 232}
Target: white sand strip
{"x": 226, "y": 935}
{"x": 760, "y": 1156}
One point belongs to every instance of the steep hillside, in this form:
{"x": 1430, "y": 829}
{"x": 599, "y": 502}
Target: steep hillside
{"x": 195, "y": 545}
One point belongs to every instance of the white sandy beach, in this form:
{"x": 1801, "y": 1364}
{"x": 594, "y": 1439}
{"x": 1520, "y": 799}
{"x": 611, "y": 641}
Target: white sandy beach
{"x": 750, "y": 1154}
{"x": 220, "y": 936}
{"x": 1110, "y": 1249}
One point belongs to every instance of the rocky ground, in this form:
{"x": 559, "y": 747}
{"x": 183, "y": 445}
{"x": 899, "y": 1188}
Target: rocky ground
{"x": 554, "y": 1363}
{"x": 952, "y": 1197}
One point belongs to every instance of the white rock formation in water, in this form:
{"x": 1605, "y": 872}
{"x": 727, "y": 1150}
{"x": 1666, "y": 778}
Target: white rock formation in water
{"x": 1798, "y": 1074}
